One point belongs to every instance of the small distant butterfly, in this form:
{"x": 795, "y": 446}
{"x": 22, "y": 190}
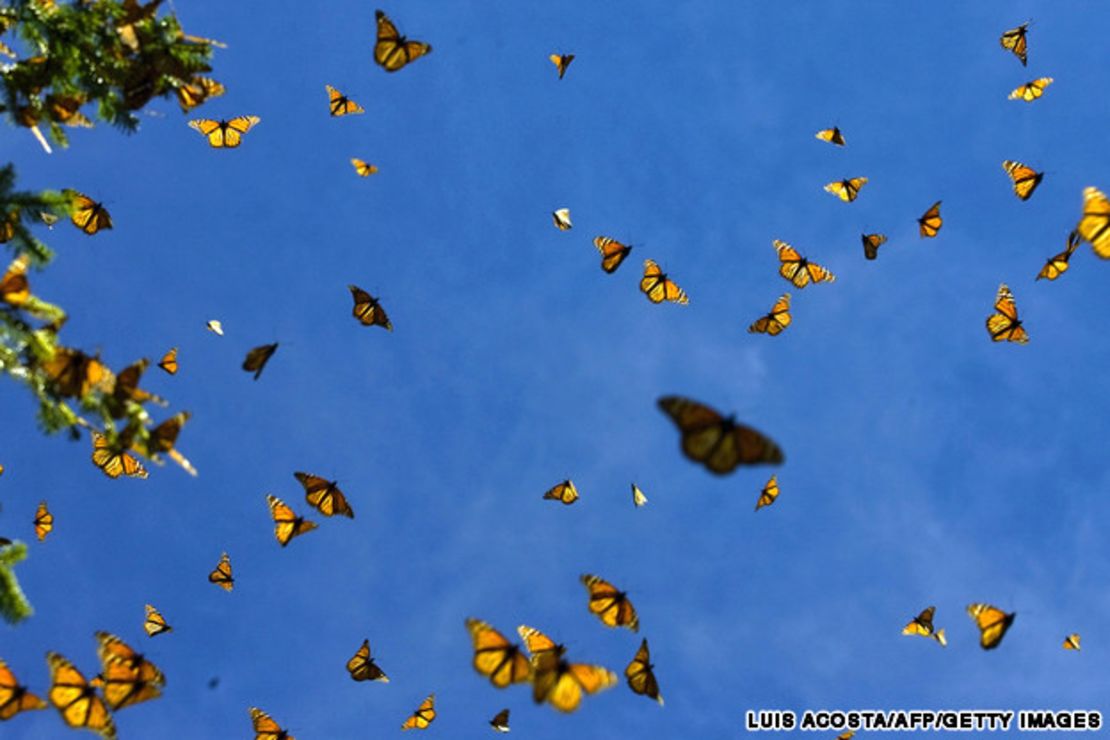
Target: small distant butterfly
{"x": 658, "y": 287}
{"x": 494, "y": 656}
{"x": 1071, "y": 642}
{"x": 871, "y": 244}
{"x": 612, "y": 252}
{"x": 363, "y": 668}
{"x": 610, "y": 605}
{"x": 565, "y": 492}
{"x": 561, "y": 62}
{"x": 922, "y": 625}
{"x": 561, "y": 218}
{"x": 1094, "y": 226}
{"x": 799, "y": 270}
{"x": 1058, "y": 264}
{"x": 367, "y": 309}
{"x": 76, "y": 699}
{"x": 718, "y": 443}
{"x": 221, "y": 575}
{"x": 776, "y": 320}
{"x": 215, "y": 327}
{"x": 127, "y": 385}
{"x": 831, "y": 135}
{"x": 638, "y": 497}
{"x": 641, "y": 678}
{"x": 14, "y": 697}
{"x": 257, "y": 358}
{"x": 44, "y": 521}
{"x": 1032, "y": 90}
{"x": 265, "y": 728}
{"x": 287, "y": 525}
{"x": 930, "y": 222}
{"x": 324, "y": 495}
{"x": 128, "y": 677}
{"x": 155, "y": 623}
{"x": 500, "y": 721}
{"x": 558, "y": 681}
{"x": 163, "y": 438}
{"x": 225, "y": 134}
{"x": 769, "y": 493}
{"x": 88, "y": 215}
{"x": 363, "y": 168}
{"x": 424, "y": 715}
{"x": 1014, "y": 40}
{"x": 1003, "y": 324}
{"x": 992, "y": 623}
{"x": 113, "y": 460}
{"x": 1025, "y": 178}
{"x": 392, "y": 50}
{"x": 14, "y": 287}
{"x": 195, "y": 92}
{"x": 847, "y": 190}
{"x": 169, "y": 361}
{"x": 340, "y": 105}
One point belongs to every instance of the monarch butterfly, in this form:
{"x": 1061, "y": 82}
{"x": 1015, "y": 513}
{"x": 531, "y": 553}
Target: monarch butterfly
{"x": 257, "y": 358}
{"x": 871, "y": 244}
{"x": 113, "y": 459}
{"x": 776, "y": 321}
{"x": 128, "y": 677}
{"x": 1004, "y": 325}
{"x": 500, "y": 721}
{"x": 155, "y": 623}
{"x": 846, "y": 735}
{"x": 1071, "y": 642}
{"x": 76, "y": 699}
{"x": 324, "y": 495}
{"x": 392, "y": 50}
{"x": 196, "y": 91}
{"x": 215, "y": 327}
{"x": 1094, "y": 226}
{"x": 163, "y": 438}
{"x": 638, "y": 497}
{"x": 221, "y": 574}
{"x": 832, "y": 135}
{"x": 922, "y": 625}
{"x": 127, "y": 385}
{"x": 88, "y": 215}
{"x": 1058, "y": 264}
{"x": 641, "y": 679}
{"x": 340, "y": 105}
{"x": 612, "y": 252}
{"x": 992, "y": 623}
{"x": 14, "y": 697}
{"x": 14, "y": 287}
{"x": 847, "y": 190}
{"x": 66, "y": 111}
{"x": 496, "y": 657}
{"x": 44, "y": 522}
{"x": 424, "y": 715}
{"x": 1031, "y": 90}
{"x": 561, "y": 218}
{"x": 930, "y": 222}
{"x": 71, "y": 372}
{"x": 561, "y": 62}
{"x": 287, "y": 525}
{"x": 367, "y": 309}
{"x": 265, "y": 728}
{"x": 565, "y": 492}
{"x": 225, "y": 134}
{"x": 768, "y": 494}
{"x": 1025, "y": 178}
{"x": 362, "y": 168}
{"x": 363, "y": 668}
{"x": 797, "y": 269}
{"x": 718, "y": 443}
{"x": 1014, "y": 40}
{"x": 610, "y": 604}
{"x": 169, "y": 361}
{"x": 557, "y": 681}
{"x": 658, "y": 287}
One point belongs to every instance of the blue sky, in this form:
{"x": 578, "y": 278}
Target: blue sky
{"x": 925, "y": 465}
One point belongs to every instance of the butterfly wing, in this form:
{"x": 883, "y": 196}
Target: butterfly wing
{"x": 846, "y": 190}
{"x": 363, "y": 169}
{"x": 424, "y": 715}
{"x": 494, "y": 656}
{"x": 14, "y": 286}
{"x": 221, "y": 574}
{"x": 1014, "y": 40}
{"x": 44, "y": 521}
{"x": 640, "y": 677}
{"x": 565, "y": 492}
{"x": 256, "y": 359}
{"x": 363, "y": 668}
{"x": 561, "y": 218}
{"x": 340, "y": 105}
{"x": 992, "y": 623}
{"x": 14, "y": 697}
{"x": 638, "y": 497}
{"x": 392, "y": 50}
{"x": 769, "y": 493}
{"x": 1071, "y": 642}
{"x": 234, "y": 129}
{"x": 76, "y": 700}
{"x": 930, "y": 222}
{"x": 500, "y": 721}
{"x": 265, "y": 728}
{"x": 169, "y": 361}
{"x": 155, "y": 623}
{"x": 88, "y": 215}
{"x": 776, "y": 321}
{"x": 831, "y": 135}
{"x": 561, "y": 62}
{"x": 719, "y": 444}
{"x": 1004, "y": 325}
{"x": 871, "y": 244}
{"x": 612, "y": 253}
{"x": 1025, "y": 179}
{"x": 610, "y": 604}
{"x": 113, "y": 461}
{"x": 1030, "y": 91}
{"x": 1094, "y": 226}
{"x": 287, "y": 525}
{"x": 368, "y": 310}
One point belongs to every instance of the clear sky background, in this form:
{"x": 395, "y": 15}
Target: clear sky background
{"x": 924, "y": 464}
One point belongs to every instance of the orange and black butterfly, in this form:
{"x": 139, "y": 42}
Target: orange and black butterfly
{"x": 196, "y": 91}
{"x": 257, "y": 358}
{"x": 169, "y": 361}
{"x": 128, "y": 677}
{"x": 1071, "y": 642}
{"x": 363, "y": 668}
{"x": 1025, "y": 178}
{"x": 612, "y": 252}
{"x": 14, "y": 287}
{"x": 424, "y": 715}
{"x": 367, "y": 309}
{"x": 848, "y": 189}
{"x": 871, "y": 244}
{"x": 500, "y": 721}
{"x": 1094, "y": 226}
{"x": 797, "y": 269}
{"x": 265, "y": 728}
{"x": 718, "y": 443}
{"x": 114, "y": 460}
{"x": 992, "y": 623}
{"x": 561, "y": 62}
{"x": 72, "y": 373}
{"x": 127, "y": 385}
{"x": 831, "y": 135}
{"x": 44, "y": 521}
{"x": 76, "y": 699}
{"x": 494, "y": 656}
{"x": 1014, "y": 40}
{"x": 1057, "y": 265}
{"x": 922, "y": 625}
{"x": 930, "y": 222}
{"x": 340, "y": 105}
{"x": 363, "y": 168}
{"x": 557, "y": 681}
{"x": 87, "y": 214}
{"x": 769, "y": 493}
{"x": 776, "y": 321}
{"x": 163, "y": 438}
{"x": 565, "y": 492}
{"x": 392, "y": 50}
{"x": 641, "y": 678}
{"x": 324, "y": 495}
{"x": 155, "y": 623}
{"x": 610, "y": 604}
{"x": 221, "y": 574}
{"x": 287, "y": 525}
{"x": 1031, "y": 90}
{"x": 14, "y": 697}
{"x": 658, "y": 287}
{"x": 225, "y": 134}
{"x": 1003, "y": 325}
